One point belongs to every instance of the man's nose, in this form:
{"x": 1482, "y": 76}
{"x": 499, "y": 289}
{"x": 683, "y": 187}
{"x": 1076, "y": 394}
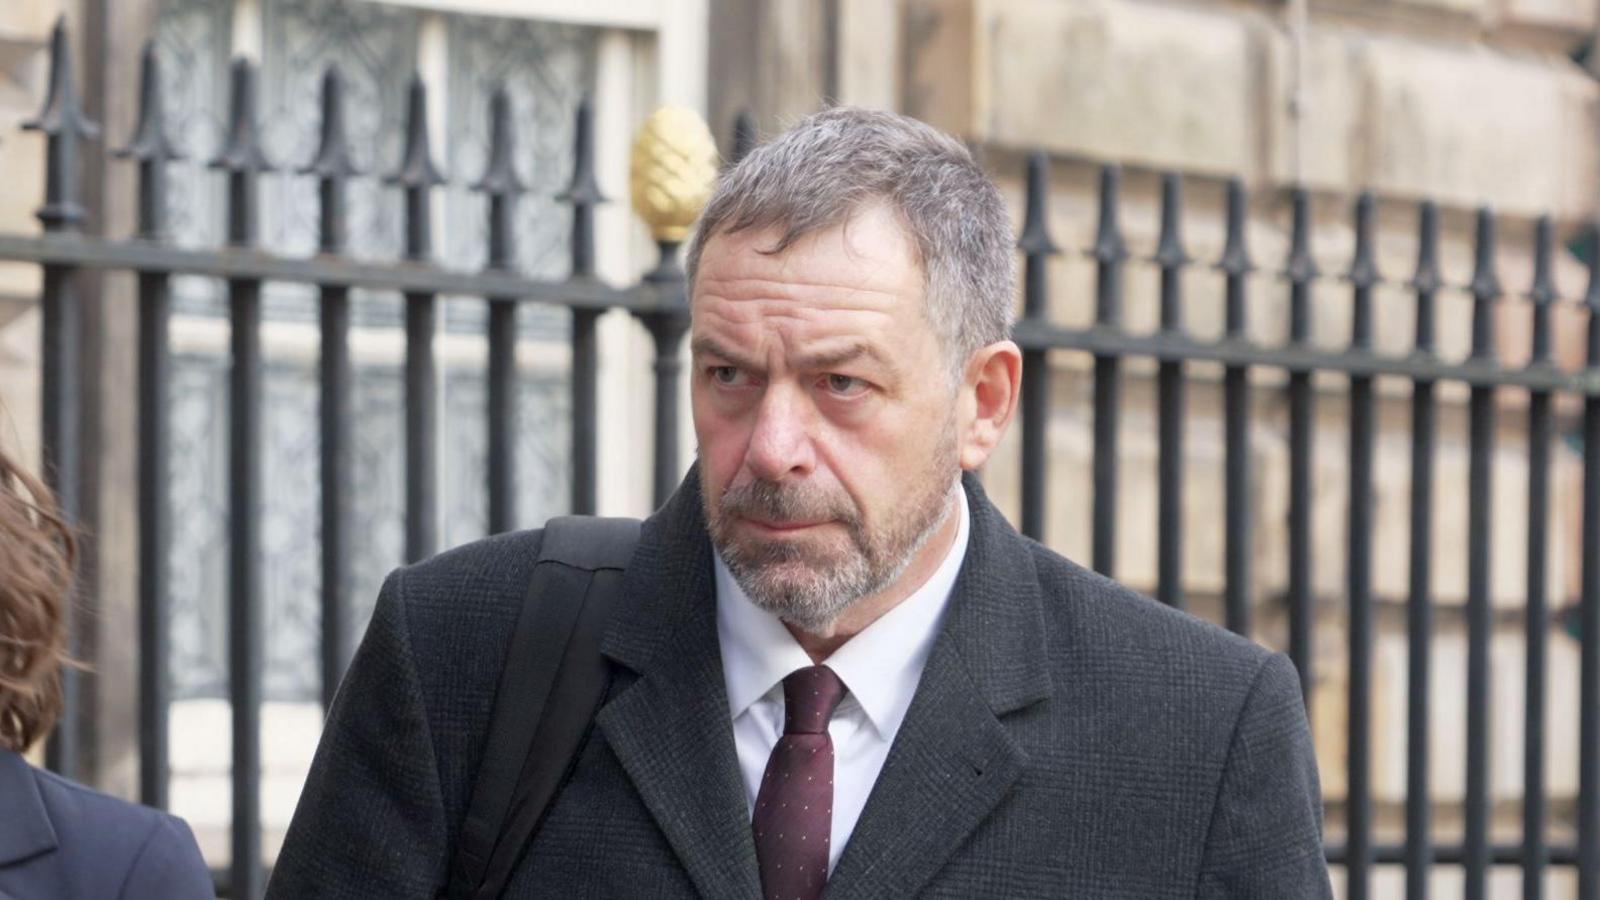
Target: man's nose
{"x": 780, "y": 445}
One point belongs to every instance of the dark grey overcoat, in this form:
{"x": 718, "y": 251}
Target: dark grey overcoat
{"x": 1070, "y": 738}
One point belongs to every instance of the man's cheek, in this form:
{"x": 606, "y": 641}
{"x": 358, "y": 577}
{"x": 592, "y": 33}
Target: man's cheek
{"x": 722, "y": 451}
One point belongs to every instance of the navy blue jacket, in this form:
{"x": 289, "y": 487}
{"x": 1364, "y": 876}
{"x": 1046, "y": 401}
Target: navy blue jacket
{"x": 61, "y": 841}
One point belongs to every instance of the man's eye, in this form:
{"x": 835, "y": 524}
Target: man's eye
{"x": 725, "y": 374}
{"x": 845, "y": 385}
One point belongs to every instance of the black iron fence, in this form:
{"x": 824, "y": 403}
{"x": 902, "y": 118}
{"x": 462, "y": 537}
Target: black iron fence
{"x": 658, "y": 300}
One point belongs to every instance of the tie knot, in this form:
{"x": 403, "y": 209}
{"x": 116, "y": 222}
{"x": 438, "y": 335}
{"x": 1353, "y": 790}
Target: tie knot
{"x": 809, "y": 698}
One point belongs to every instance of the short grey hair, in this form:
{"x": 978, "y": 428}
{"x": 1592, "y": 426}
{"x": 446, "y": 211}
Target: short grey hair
{"x": 817, "y": 174}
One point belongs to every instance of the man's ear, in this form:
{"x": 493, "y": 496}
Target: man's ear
{"x": 992, "y": 383}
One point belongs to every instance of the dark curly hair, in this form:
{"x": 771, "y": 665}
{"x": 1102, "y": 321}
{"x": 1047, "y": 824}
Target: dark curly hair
{"x": 37, "y": 553}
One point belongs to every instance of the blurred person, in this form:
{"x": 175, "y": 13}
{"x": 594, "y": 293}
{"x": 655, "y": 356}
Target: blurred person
{"x": 833, "y": 664}
{"x": 60, "y": 840}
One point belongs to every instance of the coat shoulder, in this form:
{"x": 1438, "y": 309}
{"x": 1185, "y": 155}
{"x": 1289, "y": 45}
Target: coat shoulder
{"x": 464, "y": 601}
{"x": 138, "y": 851}
{"x": 1092, "y": 618}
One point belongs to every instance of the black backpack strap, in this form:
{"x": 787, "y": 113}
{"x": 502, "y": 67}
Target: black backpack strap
{"x": 550, "y": 688}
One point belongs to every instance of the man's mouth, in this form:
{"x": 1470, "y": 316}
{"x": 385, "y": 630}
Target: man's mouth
{"x": 781, "y": 527}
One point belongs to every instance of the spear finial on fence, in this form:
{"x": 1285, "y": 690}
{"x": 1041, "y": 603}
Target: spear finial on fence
{"x": 149, "y": 142}
{"x": 1485, "y": 287}
{"x": 417, "y": 173}
{"x": 416, "y": 161}
{"x": 63, "y": 123}
{"x": 241, "y": 146}
{"x": 333, "y": 151}
{"x": 1300, "y": 269}
{"x": 1169, "y": 247}
{"x": 150, "y": 147}
{"x": 584, "y": 188}
{"x": 1364, "y": 263}
{"x": 1426, "y": 280}
{"x": 744, "y": 136}
{"x": 500, "y": 174}
{"x": 1591, "y": 296}
{"x": 1235, "y": 262}
{"x": 1109, "y": 250}
{"x": 583, "y": 192}
{"x": 332, "y": 164}
{"x": 1363, "y": 273}
{"x": 1235, "y": 252}
{"x": 500, "y": 181}
{"x": 1427, "y": 275}
{"x": 1035, "y": 238}
{"x": 1170, "y": 255}
{"x": 241, "y": 155}
{"x": 1543, "y": 292}
{"x": 1108, "y": 243}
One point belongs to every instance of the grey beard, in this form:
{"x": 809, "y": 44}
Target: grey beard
{"x": 816, "y": 599}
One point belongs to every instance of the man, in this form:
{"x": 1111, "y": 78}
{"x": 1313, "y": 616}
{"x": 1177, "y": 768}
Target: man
{"x": 836, "y": 666}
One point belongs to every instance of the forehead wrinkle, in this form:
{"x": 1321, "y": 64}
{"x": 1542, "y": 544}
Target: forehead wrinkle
{"x": 781, "y": 312}
{"x": 804, "y": 334}
{"x": 743, "y": 288}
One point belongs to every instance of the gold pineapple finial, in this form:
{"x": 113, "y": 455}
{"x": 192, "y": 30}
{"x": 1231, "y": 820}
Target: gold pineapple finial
{"x": 673, "y": 171}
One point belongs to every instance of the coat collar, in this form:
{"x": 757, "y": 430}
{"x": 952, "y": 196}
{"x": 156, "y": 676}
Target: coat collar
{"x": 25, "y": 829}
{"x": 670, "y": 729}
{"x": 950, "y": 765}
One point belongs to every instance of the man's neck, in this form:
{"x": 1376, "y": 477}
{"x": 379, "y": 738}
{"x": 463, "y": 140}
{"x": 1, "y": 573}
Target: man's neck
{"x": 820, "y": 646}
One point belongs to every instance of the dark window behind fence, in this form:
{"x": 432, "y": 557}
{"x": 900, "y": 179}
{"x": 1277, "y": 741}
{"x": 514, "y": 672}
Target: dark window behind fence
{"x": 658, "y": 300}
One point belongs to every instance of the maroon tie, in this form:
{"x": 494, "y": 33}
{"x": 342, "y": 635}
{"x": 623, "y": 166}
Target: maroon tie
{"x": 794, "y": 809}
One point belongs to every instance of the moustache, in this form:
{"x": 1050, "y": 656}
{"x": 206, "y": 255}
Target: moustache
{"x": 797, "y": 502}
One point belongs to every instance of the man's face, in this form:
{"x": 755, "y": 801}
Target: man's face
{"x": 826, "y": 422}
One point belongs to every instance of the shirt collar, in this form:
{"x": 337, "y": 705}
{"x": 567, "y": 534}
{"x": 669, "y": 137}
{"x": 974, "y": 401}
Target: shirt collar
{"x": 881, "y": 666}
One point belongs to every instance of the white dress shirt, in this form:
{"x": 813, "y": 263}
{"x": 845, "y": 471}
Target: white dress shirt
{"x": 880, "y": 668}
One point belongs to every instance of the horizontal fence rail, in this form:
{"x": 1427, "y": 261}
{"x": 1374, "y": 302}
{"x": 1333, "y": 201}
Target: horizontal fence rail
{"x": 658, "y": 300}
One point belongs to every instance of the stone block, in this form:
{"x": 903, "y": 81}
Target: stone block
{"x": 29, "y": 19}
{"x": 869, "y": 54}
{"x": 1418, "y": 11}
{"x": 1317, "y": 143}
{"x": 1464, "y": 124}
{"x": 1476, "y": 126}
{"x": 1574, "y": 17}
{"x": 1165, "y": 86}
{"x": 938, "y": 79}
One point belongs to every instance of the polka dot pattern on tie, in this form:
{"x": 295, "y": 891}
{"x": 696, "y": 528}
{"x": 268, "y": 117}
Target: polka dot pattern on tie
{"x": 794, "y": 808}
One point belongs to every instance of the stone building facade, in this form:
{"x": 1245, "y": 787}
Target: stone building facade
{"x": 1467, "y": 102}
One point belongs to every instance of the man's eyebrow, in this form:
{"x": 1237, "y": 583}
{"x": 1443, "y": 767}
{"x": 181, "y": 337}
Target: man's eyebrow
{"x": 848, "y": 353}
{"x": 703, "y": 345}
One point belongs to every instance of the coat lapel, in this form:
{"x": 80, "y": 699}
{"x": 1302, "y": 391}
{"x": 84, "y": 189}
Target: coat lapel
{"x": 670, "y": 728}
{"x": 953, "y": 760}
{"x": 25, "y": 829}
